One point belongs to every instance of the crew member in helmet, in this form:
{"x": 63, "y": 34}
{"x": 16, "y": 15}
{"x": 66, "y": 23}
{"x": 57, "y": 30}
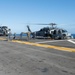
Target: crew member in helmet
{"x": 14, "y": 36}
{"x": 9, "y": 35}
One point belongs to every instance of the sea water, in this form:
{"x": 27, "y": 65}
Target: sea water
{"x": 73, "y": 36}
{"x": 26, "y": 35}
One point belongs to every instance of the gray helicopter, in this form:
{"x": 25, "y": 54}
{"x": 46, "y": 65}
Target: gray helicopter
{"x": 4, "y": 31}
{"x": 50, "y": 32}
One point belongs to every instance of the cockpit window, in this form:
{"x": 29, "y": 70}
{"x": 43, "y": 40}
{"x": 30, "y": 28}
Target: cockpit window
{"x": 4, "y": 27}
{"x": 64, "y": 30}
{"x": 41, "y": 30}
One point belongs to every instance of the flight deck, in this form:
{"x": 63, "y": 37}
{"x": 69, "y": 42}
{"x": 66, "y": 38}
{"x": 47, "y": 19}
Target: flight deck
{"x": 37, "y": 57}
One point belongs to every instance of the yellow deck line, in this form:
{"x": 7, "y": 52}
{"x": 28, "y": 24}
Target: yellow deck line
{"x": 44, "y": 45}
{"x": 2, "y": 39}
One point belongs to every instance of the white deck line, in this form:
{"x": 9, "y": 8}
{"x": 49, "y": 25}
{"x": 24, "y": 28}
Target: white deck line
{"x": 71, "y": 41}
{"x": 50, "y": 41}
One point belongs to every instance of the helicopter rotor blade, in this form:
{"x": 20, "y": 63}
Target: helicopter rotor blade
{"x": 51, "y": 24}
{"x": 67, "y": 24}
{"x": 40, "y": 24}
{"x": 45, "y": 24}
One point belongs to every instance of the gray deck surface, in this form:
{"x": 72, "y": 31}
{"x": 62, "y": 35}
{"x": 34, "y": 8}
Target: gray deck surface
{"x": 21, "y": 59}
{"x": 62, "y": 44}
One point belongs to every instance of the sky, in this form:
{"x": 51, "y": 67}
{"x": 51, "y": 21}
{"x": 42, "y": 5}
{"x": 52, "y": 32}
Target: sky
{"x": 16, "y": 14}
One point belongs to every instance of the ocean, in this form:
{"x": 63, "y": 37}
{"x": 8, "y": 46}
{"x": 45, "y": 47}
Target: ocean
{"x": 73, "y": 35}
{"x": 26, "y": 35}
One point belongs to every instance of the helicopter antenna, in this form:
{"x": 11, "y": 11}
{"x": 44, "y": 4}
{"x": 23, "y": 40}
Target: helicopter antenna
{"x": 52, "y": 24}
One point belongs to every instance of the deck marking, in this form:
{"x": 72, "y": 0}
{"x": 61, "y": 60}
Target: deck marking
{"x": 71, "y": 41}
{"x": 46, "y": 46}
{"x": 50, "y": 41}
{"x": 2, "y": 39}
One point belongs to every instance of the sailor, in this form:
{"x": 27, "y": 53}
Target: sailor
{"x": 14, "y": 36}
{"x": 9, "y": 35}
{"x": 21, "y": 35}
{"x": 34, "y": 34}
{"x": 28, "y": 35}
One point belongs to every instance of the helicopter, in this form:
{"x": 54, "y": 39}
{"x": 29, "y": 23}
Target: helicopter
{"x": 50, "y": 32}
{"x": 4, "y": 31}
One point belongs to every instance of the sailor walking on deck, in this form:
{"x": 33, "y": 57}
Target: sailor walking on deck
{"x": 28, "y": 35}
{"x": 9, "y": 35}
{"x": 14, "y": 36}
{"x": 20, "y": 36}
